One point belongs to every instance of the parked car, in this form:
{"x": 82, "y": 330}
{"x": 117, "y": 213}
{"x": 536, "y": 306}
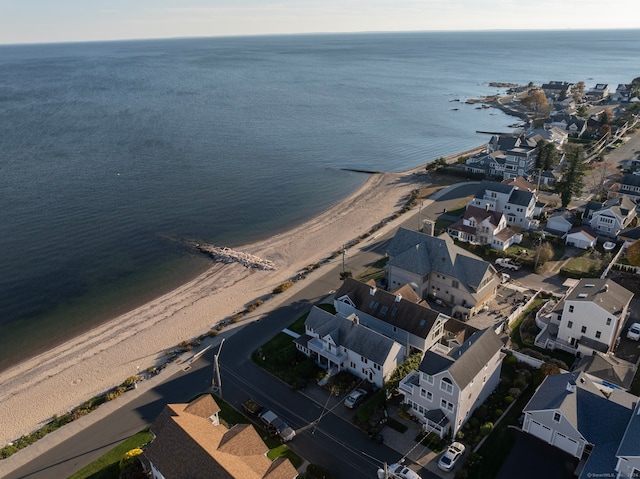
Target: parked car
{"x": 507, "y": 263}
{"x": 398, "y": 471}
{"x": 451, "y": 456}
{"x": 277, "y": 426}
{"x": 634, "y": 332}
{"x": 354, "y": 399}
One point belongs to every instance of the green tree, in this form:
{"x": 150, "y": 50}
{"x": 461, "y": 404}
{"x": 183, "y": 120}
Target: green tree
{"x": 582, "y": 111}
{"x": 572, "y": 180}
{"x": 635, "y": 87}
{"x": 548, "y": 156}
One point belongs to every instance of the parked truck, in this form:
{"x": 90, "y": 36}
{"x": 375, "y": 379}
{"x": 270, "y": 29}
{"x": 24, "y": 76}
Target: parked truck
{"x": 252, "y": 407}
{"x": 275, "y": 425}
{"x": 507, "y": 263}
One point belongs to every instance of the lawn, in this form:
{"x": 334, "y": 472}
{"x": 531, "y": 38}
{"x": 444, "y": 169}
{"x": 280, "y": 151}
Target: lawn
{"x": 108, "y": 466}
{"x": 376, "y": 271}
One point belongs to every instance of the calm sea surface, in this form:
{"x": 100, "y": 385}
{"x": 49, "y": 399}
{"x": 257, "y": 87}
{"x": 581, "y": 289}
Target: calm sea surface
{"x": 113, "y": 153}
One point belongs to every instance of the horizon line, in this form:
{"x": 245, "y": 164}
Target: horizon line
{"x": 361, "y": 32}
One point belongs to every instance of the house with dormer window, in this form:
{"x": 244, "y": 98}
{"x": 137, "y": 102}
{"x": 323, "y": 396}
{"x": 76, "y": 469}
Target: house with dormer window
{"x": 451, "y": 382}
{"x": 338, "y": 343}
{"x": 400, "y": 315}
{"x": 630, "y": 187}
{"x": 484, "y": 227}
{"x": 190, "y": 441}
{"x": 437, "y": 269}
{"x": 517, "y": 205}
{"x": 601, "y": 429}
{"x": 589, "y": 318}
{"x": 614, "y": 215}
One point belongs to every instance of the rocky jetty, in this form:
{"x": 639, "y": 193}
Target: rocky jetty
{"x": 227, "y": 255}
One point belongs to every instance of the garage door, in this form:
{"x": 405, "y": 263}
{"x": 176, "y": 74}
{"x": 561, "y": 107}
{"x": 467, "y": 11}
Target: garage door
{"x": 540, "y": 430}
{"x": 566, "y": 444}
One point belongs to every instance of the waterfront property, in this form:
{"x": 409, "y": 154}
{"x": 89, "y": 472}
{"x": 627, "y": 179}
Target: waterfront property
{"x": 437, "y": 269}
{"x": 452, "y": 381}
{"x": 191, "y": 442}
{"x": 337, "y": 343}
{"x": 484, "y": 227}
{"x": 516, "y": 204}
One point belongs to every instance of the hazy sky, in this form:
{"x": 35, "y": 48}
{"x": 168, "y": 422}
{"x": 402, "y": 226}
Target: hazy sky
{"x": 25, "y": 21}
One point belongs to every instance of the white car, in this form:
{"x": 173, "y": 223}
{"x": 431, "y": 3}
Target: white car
{"x": 354, "y": 399}
{"x": 398, "y": 471}
{"x": 634, "y": 332}
{"x": 451, "y": 456}
{"x": 507, "y": 263}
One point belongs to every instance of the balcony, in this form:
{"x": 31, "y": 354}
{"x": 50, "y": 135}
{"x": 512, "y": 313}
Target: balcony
{"x": 406, "y": 385}
{"x": 318, "y": 346}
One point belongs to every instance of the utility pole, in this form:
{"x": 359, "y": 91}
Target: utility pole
{"x": 216, "y": 367}
{"x": 344, "y": 253}
{"x": 420, "y": 217}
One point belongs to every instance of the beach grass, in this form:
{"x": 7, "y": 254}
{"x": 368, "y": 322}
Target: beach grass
{"x": 108, "y": 466}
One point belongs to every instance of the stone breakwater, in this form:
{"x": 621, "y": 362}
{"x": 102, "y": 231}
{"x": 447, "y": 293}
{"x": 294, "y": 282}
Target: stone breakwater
{"x": 227, "y": 255}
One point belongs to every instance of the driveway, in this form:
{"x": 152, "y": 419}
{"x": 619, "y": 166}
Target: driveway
{"x": 627, "y": 349}
{"x": 532, "y": 458}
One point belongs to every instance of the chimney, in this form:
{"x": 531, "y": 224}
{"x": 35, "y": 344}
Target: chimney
{"x": 486, "y": 207}
{"x": 398, "y": 297}
{"x": 372, "y": 291}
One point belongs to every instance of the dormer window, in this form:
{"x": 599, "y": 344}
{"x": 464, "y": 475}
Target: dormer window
{"x": 557, "y": 416}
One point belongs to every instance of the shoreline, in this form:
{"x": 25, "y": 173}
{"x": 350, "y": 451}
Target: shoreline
{"x": 55, "y": 381}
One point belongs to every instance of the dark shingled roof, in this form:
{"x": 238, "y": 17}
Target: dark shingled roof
{"x": 407, "y": 315}
{"x": 420, "y": 253}
{"x": 493, "y": 186}
{"x": 464, "y": 362}
{"x": 630, "y": 444}
{"x": 355, "y": 337}
{"x": 521, "y": 197}
{"x": 608, "y": 368}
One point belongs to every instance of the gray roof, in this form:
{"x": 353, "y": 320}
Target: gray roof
{"x": 465, "y": 362}
{"x": 630, "y": 444}
{"x": 420, "y": 253}
{"x": 608, "y": 368}
{"x": 630, "y": 233}
{"x": 355, "y": 337}
{"x": 607, "y": 294}
{"x": 521, "y": 197}
{"x": 630, "y": 180}
{"x": 567, "y": 215}
{"x": 601, "y": 420}
{"x": 493, "y": 186}
{"x": 405, "y": 314}
{"x": 585, "y": 230}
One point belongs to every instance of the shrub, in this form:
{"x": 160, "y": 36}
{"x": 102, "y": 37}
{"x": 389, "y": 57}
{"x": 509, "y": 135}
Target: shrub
{"x": 317, "y": 472}
{"x": 212, "y": 333}
{"x": 486, "y": 428}
{"x": 498, "y": 413}
{"x": 508, "y": 399}
{"x": 282, "y": 287}
{"x": 129, "y": 381}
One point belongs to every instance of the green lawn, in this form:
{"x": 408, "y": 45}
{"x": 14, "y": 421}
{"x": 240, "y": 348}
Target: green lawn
{"x": 107, "y": 467}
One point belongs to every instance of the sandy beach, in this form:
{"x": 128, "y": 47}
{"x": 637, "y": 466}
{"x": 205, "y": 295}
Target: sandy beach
{"x": 60, "y": 379}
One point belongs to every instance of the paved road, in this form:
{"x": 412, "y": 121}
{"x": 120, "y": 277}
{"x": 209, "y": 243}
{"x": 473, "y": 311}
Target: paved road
{"x": 334, "y": 444}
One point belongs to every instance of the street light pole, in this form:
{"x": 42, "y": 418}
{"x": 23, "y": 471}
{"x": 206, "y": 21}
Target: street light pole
{"x": 216, "y": 367}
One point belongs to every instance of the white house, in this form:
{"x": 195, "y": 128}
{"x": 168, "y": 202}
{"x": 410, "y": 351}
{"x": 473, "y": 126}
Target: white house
{"x": 591, "y": 316}
{"x": 483, "y": 227}
{"x": 437, "y": 269}
{"x": 342, "y": 344}
{"x": 615, "y": 215}
{"x": 452, "y": 382}
{"x": 582, "y": 237}
{"x": 569, "y": 412}
{"x": 400, "y": 315}
{"x": 516, "y": 204}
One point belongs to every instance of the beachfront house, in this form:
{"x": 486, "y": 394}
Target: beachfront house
{"x": 557, "y": 90}
{"x": 484, "y": 227}
{"x": 588, "y": 319}
{"x": 338, "y": 343}
{"x": 573, "y": 125}
{"x": 439, "y": 270}
{"x": 400, "y": 315}
{"x": 452, "y": 381}
{"x": 518, "y": 205}
{"x": 571, "y": 413}
{"x": 598, "y": 93}
{"x": 190, "y": 441}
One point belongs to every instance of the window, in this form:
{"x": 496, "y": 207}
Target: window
{"x": 571, "y": 308}
{"x": 455, "y": 284}
{"x": 446, "y": 385}
{"x": 598, "y": 334}
{"x": 446, "y": 405}
{"x": 608, "y": 321}
{"x": 429, "y": 379}
{"x": 583, "y": 329}
{"x": 556, "y": 416}
{"x": 423, "y": 393}
{"x": 429, "y": 396}
{"x": 570, "y": 324}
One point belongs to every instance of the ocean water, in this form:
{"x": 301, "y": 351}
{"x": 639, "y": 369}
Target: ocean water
{"x": 114, "y": 153}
